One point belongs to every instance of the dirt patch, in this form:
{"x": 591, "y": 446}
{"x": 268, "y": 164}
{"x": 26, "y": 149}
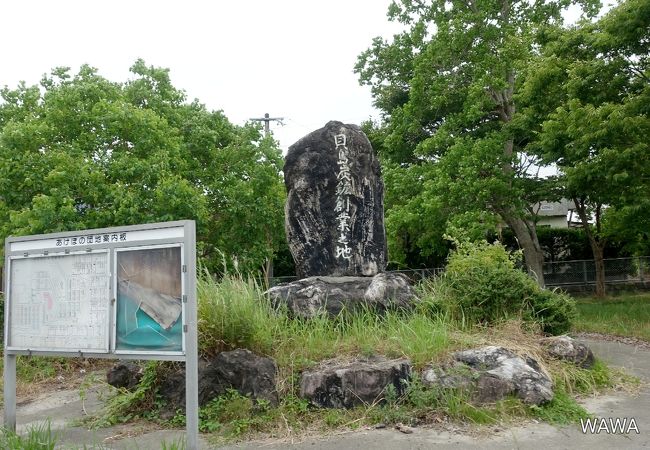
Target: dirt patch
{"x": 73, "y": 375}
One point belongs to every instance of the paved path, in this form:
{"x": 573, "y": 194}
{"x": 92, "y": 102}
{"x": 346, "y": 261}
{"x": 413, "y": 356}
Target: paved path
{"x": 64, "y": 406}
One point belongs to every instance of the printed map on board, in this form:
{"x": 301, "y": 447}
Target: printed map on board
{"x": 60, "y": 302}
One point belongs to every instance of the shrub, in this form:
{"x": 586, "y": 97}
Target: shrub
{"x": 554, "y": 311}
{"x": 483, "y": 284}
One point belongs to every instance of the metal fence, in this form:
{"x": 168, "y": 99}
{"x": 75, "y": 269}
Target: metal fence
{"x": 617, "y": 270}
{"x": 562, "y": 273}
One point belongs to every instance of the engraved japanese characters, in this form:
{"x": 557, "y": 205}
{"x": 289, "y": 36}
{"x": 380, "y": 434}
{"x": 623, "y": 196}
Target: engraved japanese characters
{"x": 335, "y": 204}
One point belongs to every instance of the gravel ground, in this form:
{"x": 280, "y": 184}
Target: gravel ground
{"x": 612, "y": 338}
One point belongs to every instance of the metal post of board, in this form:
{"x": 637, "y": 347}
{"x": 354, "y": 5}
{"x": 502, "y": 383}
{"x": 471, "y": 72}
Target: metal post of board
{"x": 191, "y": 346}
{"x": 9, "y": 391}
{"x": 9, "y": 375}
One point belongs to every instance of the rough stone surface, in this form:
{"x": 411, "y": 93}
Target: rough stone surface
{"x": 567, "y": 348}
{"x": 124, "y": 375}
{"x": 335, "y": 204}
{"x": 308, "y": 297}
{"x": 453, "y": 375}
{"x": 389, "y": 289}
{"x": 529, "y": 382}
{"x": 343, "y": 385}
{"x": 484, "y": 387}
{"x": 246, "y": 372}
{"x": 251, "y": 375}
{"x": 491, "y": 388}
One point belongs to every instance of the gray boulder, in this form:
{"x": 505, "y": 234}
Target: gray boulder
{"x": 527, "y": 379}
{"x": 567, "y": 348}
{"x": 362, "y": 382}
{"x": 248, "y": 373}
{"x": 389, "y": 290}
{"x": 484, "y": 387}
{"x": 308, "y": 297}
{"x": 334, "y": 214}
{"x": 491, "y": 374}
{"x": 452, "y": 375}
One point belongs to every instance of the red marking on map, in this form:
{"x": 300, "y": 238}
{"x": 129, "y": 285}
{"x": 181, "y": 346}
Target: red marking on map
{"x": 48, "y": 298}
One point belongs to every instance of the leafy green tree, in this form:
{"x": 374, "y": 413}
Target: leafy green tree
{"x": 447, "y": 86}
{"x": 594, "y": 79}
{"x": 629, "y": 227}
{"x": 80, "y": 152}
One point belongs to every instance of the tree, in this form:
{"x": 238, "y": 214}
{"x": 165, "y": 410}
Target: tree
{"x": 447, "y": 87}
{"x": 82, "y": 152}
{"x": 629, "y": 227}
{"x": 415, "y": 217}
{"x": 595, "y": 81}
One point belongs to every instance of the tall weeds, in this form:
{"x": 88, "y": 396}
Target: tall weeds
{"x": 233, "y": 312}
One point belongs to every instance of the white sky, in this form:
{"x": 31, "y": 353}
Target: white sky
{"x": 290, "y": 58}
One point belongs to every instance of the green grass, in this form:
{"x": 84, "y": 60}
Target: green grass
{"x": 627, "y": 315}
{"x": 233, "y": 313}
{"x": 37, "y": 437}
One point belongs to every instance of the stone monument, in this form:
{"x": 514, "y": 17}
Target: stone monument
{"x": 334, "y": 220}
{"x": 334, "y": 216}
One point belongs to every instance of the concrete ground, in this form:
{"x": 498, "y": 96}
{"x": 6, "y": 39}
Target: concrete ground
{"x": 65, "y": 406}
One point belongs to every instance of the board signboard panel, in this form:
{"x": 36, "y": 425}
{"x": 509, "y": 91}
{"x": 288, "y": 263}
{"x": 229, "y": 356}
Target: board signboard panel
{"x": 121, "y": 292}
{"x": 60, "y": 302}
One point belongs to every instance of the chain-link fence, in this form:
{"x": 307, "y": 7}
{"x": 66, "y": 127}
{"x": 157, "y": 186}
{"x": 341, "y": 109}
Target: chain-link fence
{"x": 563, "y": 273}
{"x": 617, "y": 270}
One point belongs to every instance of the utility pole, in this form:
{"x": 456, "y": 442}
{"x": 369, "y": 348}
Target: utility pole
{"x": 267, "y": 131}
{"x": 267, "y": 120}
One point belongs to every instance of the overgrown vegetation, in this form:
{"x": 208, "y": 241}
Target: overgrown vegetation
{"x": 627, "y": 315}
{"x": 482, "y": 284}
{"x": 485, "y": 298}
{"x": 233, "y": 313}
{"x": 451, "y": 315}
{"x": 37, "y": 437}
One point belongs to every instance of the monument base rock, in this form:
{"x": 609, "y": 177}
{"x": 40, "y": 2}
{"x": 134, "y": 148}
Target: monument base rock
{"x": 311, "y": 296}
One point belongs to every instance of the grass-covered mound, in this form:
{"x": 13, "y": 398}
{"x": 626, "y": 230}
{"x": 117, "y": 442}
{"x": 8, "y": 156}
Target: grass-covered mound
{"x": 483, "y": 299}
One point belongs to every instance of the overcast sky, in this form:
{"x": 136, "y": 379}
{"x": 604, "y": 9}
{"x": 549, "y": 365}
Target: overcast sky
{"x": 290, "y": 58}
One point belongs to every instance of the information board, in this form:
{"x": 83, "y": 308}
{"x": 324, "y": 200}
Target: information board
{"x": 124, "y": 292}
{"x": 60, "y": 302}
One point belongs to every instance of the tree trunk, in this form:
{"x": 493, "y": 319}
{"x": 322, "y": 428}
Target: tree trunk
{"x": 597, "y": 249}
{"x": 524, "y": 229}
{"x": 527, "y": 238}
{"x": 597, "y": 245}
